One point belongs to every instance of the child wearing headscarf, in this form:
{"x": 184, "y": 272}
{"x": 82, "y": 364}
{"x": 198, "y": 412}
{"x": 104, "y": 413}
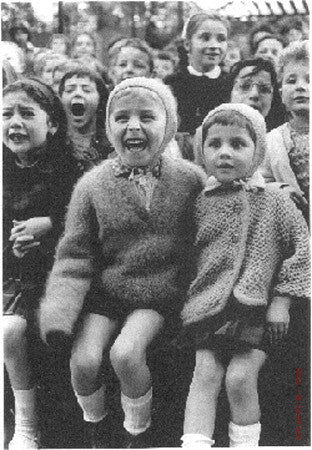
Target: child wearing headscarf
{"x": 130, "y": 227}
{"x": 252, "y": 263}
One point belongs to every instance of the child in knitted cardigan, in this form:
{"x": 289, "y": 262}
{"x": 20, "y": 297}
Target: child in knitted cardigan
{"x": 253, "y": 261}
{"x": 129, "y": 225}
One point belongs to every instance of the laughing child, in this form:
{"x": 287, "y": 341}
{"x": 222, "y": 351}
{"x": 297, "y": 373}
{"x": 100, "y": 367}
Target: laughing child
{"x": 129, "y": 224}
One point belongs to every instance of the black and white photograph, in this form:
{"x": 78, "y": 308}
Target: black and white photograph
{"x": 156, "y": 259}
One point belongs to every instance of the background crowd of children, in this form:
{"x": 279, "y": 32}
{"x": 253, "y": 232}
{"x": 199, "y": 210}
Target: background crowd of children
{"x": 134, "y": 184}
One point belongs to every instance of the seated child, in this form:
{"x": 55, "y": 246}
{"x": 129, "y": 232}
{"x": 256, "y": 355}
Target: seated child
{"x": 130, "y": 228}
{"x": 253, "y": 261}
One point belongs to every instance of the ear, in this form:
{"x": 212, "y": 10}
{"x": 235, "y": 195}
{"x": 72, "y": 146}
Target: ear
{"x": 52, "y": 127}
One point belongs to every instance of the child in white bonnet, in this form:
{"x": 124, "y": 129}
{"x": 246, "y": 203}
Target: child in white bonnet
{"x": 130, "y": 225}
{"x": 253, "y": 262}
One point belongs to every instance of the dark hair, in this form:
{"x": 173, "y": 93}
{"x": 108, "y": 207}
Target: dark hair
{"x": 290, "y": 23}
{"x": 80, "y": 72}
{"x": 19, "y": 26}
{"x": 277, "y": 108}
{"x": 258, "y": 64}
{"x": 226, "y": 118}
{"x": 196, "y": 20}
{"x": 49, "y": 101}
{"x": 276, "y": 37}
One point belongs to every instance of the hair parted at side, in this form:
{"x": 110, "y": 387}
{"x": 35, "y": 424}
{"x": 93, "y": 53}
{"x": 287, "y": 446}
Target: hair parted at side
{"x": 297, "y": 52}
{"x": 195, "y": 21}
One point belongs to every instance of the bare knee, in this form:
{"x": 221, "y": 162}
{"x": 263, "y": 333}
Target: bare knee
{"x": 85, "y": 365}
{"x": 126, "y": 358}
{"x": 14, "y": 335}
{"x": 207, "y": 372}
{"x": 240, "y": 383}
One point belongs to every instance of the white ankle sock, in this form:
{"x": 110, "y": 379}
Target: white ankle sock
{"x": 244, "y": 435}
{"x": 137, "y": 412}
{"x": 196, "y": 441}
{"x": 93, "y": 406}
{"x": 25, "y": 412}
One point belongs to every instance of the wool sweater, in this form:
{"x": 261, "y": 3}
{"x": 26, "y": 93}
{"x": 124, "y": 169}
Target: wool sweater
{"x": 254, "y": 244}
{"x": 143, "y": 258}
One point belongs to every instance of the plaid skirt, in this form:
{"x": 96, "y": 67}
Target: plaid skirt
{"x": 238, "y": 328}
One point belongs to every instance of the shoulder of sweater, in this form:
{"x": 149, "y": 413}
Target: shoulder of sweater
{"x": 95, "y": 176}
{"x": 184, "y": 167}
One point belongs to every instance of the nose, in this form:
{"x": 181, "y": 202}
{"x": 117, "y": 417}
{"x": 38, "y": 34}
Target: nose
{"x": 133, "y": 124}
{"x": 302, "y": 85}
{"x": 129, "y": 68}
{"x": 254, "y": 92}
{"x": 16, "y": 121}
{"x": 213, "y": 42}
{"x": 225, "y": 151}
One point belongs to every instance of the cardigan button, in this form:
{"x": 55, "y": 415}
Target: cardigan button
{"x": 235, "y": 238}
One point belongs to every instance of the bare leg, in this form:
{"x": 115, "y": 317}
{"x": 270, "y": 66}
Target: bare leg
{"x": 87, "y": 355}
{"x": 128, "y": 353}
{"x": 201, "y": 403}
{"x": 15, "y": 352}
{"x": 19, "y": 370}
{"x": 241, "y": 384}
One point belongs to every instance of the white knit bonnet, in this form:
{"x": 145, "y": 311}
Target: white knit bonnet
{"x": 256, "y": 121}
{"x": 164, "y": 94}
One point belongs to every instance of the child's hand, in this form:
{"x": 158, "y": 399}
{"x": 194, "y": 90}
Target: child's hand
{"x": 36, "y": 227}
{"x": 296, "y": 197}
{"x": 23, "y": 244}
{"x": 278, "y": 319}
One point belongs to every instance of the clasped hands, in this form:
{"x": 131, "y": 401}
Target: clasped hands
{"x": 26, "y": 234}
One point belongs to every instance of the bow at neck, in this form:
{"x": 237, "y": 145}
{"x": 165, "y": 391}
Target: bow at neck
{"x": 125, "y": 171}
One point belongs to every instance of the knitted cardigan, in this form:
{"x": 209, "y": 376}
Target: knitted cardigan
{"x": 251, "y": 244}
{"x": 143, "y": 258}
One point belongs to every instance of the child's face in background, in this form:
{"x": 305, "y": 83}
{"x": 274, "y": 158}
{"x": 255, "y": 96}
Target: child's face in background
{"x": 80, "y": 100}
{"x": 47, "y": 72}
{"x": 232, "y": 56}
{"x": 138, "y": 124}
{"x": 130, "y": 62}
{"x": 248, "y": 89}
{"x": 207, "y": 46}
{"x": 25, "y": 124}
{"x": 295, "y": 87}
{"x": 84, "y": 45}
{"x": 228, "y": 152}
{"x": 270, "y": 49}
{"x": 163, "y": 68}
{"x": 59, "y": 46}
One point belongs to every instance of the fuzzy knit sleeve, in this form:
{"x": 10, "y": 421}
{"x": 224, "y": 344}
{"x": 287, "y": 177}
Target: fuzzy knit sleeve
{"x": 74, "y": 266}
{"x": 294, "y": 275}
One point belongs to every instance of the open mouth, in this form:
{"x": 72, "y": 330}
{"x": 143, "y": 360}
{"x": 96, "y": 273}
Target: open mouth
{"x": 225, "y": 166}
{"x": 256, "y": 107}
{"x": 17, "y": 137}
{"x": 301, "y": 99}
{"x": 135, "y": 145}
{"x": 78, "y": 109}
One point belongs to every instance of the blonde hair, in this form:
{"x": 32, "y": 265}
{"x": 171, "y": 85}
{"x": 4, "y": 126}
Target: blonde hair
{"x": 296, "y": 51}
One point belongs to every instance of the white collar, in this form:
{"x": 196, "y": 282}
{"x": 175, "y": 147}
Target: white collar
{"x": 214, "y": 73}
{"x": 255, "y": 182}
